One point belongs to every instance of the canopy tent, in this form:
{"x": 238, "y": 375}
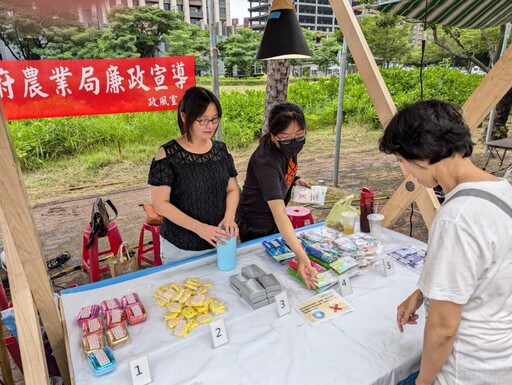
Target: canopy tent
{"x": 453, "y": 13}
{"x": 23, "y": 249}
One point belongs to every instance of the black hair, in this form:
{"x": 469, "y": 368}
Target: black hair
{"x": 281, "y": 116}
{"x": 429, "y": 130}
{"x": 194, "y": 103}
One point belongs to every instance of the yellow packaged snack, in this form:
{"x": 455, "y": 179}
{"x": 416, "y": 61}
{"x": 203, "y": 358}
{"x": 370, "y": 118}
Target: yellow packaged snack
{"x": 186, "y": 295}
{"x": 174, "y": 307}
{"x": 204, "y": 318}
{"x": 181, "y": 329}
{"x": 192, "y": 324}
{"x": 202, "y": 290}
{"x": 217, "y": 307}
{"x": 201, "y": 309}
{"x": 171, "y": 316}
{"x": 177, "y": 286}
{"x": 173, "y": 322}
{"x": 197, "y": 300}
{"x": 179, "y": 293}
{"x": 189, "y": 312}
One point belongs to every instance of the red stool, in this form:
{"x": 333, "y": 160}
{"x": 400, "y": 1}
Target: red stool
{"x": 154, "y": 247}
{"x": 90, "y": 257}
{"x": 4, "y": 302}
{"x": 299, "y": 215}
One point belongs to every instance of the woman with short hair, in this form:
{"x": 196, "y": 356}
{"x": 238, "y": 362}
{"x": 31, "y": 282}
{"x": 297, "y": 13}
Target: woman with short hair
{"x": 466, "y": 281}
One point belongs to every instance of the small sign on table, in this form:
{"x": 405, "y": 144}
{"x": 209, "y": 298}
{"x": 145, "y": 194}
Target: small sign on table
{"x": 345, "y": 285}
{"x": 283, "y": 306}
{"x": 219, "y": 333}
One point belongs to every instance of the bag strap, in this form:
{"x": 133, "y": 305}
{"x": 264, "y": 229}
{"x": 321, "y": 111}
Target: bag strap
{"x": 473, "y": 192}
{"x": 93, "y": 233}
{"x": 109, "y": 202}
{"x": 124, "y": 248}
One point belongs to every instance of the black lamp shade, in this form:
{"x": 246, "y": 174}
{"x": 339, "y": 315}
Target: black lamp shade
{"x": 283, "y": 38}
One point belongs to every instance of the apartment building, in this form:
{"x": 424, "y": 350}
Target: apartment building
{"x": 315, "y": 15}
{"x": 94, "y": 12}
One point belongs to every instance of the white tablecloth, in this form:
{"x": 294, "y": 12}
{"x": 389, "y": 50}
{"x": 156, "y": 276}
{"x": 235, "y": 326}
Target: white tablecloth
{"x": 360, "y": 347}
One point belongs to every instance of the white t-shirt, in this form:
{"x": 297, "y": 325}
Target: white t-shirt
{"x": 469, "y": 262}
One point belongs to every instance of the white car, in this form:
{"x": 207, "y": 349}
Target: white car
{"x": 477, "y": 70}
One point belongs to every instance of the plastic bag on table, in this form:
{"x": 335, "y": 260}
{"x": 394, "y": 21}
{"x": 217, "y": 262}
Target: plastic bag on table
{"x": 333, "y": 220}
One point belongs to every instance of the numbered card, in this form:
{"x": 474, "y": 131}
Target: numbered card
{"x": 283, "y": 306}
{"x": 389, "y": 265}
{"x": 219, "y": 333}
{"x": 345, "y": 285}
{"x": 139, "y": 370}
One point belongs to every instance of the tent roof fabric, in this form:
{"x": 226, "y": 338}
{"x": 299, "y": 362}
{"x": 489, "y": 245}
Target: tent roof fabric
{"x": 453, "y": 13}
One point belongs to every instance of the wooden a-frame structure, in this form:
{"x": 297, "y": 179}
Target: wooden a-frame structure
{"x": 31, "y": 290}
{"x": 494, "y": 86}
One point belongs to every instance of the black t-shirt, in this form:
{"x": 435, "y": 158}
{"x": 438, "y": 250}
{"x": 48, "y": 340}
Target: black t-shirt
{"x": 198, "y": 188}
{"x": 270, "y": 175}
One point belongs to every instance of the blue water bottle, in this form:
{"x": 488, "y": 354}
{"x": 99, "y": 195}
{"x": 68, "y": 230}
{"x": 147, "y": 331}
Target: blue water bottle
{"x": 226, "y": 254}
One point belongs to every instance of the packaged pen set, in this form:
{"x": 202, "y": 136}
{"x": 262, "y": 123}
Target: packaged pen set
{"x": 326, "y": 278}
{"x": 104, "y": 329}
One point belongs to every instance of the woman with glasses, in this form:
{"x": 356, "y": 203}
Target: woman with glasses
{"x": 271, "y": 174}
{"x": 193, "y": 182}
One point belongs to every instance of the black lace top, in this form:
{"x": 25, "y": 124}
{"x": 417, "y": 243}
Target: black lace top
{"x": 198, "y": 188}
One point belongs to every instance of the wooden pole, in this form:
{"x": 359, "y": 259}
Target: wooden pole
{"x": 25, "y": 312}
{"x": 28, "y": 276}
{"x": 386, "y": 109}
{"x": 5, "y": 363}
{"x": 490, "y": 91}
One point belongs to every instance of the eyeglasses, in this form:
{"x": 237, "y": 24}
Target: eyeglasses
{"x": 205, "y": 122}
{"x": 297, "y": 138}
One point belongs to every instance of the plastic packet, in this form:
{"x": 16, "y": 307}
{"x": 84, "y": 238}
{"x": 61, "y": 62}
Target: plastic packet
{"x": 333, "y": 220}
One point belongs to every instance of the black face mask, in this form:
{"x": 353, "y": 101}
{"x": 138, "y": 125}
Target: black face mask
{"x": 292, "y": 148}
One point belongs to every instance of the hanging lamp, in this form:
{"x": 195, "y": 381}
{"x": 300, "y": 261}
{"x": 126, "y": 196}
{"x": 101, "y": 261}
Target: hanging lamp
{"x": 283, "y": 37}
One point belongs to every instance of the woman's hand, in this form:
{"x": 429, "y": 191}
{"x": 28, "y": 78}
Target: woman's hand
{"x": 230, "y": 226}
{"x": 307, "y": 272}
{"x": 406, "y": 311}
{"x": 302, "y": 182}
{"x": 212, "y": 234}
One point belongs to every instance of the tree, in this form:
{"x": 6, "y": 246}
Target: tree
{"x": 141, "y": 27}
{"x": 326, "y": 52}
{"x": 475, "y": 46}
{"x": 22, "y": 29}
{"x": 187, "y": 40}
{"x": 387, "y": 37}
{"x": 277, "y": 86}
{"x": 240, "y": 50}
{"x": 71, "y": 43}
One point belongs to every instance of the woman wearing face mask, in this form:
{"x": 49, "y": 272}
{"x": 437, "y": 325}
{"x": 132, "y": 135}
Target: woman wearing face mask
{"x": 271, "y": 174}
